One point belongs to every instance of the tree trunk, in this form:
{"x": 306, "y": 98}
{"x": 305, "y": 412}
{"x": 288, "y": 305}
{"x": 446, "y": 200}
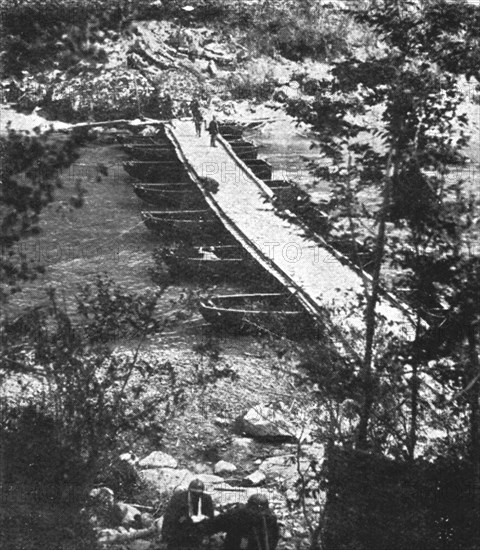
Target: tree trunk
{"x": 370, "y": 317}
{"x": 475, "y": 425}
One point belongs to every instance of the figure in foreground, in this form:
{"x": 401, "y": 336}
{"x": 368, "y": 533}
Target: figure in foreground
{"x": 186, "y": 510}
{"x": 251, "y": 526}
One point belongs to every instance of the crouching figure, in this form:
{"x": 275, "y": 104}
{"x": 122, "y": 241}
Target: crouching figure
{"x": 186, "y": 512}
{"x": 251, "y": 526}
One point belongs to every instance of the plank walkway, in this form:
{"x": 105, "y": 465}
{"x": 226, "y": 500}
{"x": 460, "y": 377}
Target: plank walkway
{"x": 321, "y": 281}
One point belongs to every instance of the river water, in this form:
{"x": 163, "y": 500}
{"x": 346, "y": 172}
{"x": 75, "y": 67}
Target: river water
{"x": 287, "y": 147}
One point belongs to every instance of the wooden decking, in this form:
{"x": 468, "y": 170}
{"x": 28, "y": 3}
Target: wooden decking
{"x": 299, "y": 260}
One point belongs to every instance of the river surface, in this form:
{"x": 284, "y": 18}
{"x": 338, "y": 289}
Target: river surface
{"x": 288, "y": 148}
{"x": 107, "y": 233}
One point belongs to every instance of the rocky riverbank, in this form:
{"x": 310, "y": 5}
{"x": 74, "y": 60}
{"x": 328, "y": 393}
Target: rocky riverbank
{"x": 256, "y": 467}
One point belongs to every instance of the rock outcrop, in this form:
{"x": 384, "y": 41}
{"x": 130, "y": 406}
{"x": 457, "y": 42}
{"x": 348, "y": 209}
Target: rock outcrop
{"x": 223, "y": 467}
{"x": 158, "y": 459}
{"x": 254, "y": 479}
{"x": 265, "y": 423}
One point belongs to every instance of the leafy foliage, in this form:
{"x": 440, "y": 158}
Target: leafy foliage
{"x": 254, "y": 84}
{"x": 394, "y": 178}
{"x": 38, "y": 34}
{"x": 405, "y": 161}
{"x": 108, "y": 311}
{"x": 303, "y": 29}
{"x": 95, "y": 394}
{"x": 294, "y": 29}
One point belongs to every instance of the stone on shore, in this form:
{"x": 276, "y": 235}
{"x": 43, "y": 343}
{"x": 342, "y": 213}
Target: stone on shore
{"x": 264, "y": 422}
{"x": 224, "y": 467}
{"x": 167, "y": 480}
{"x": 158, "y": 459}
{"x": 254, "y": 479}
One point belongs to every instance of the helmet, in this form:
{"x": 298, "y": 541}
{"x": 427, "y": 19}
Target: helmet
{"x": 258, "y": 501}
{"x": 196, "y": 486}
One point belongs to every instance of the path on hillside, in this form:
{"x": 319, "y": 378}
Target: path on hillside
{"x": 321, "y": 280}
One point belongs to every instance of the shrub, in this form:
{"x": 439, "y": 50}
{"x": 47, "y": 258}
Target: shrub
{"x": 108, "y": 311}
{"x": 36, "y": 32}
{"x": 256, "y": 82}
{"x": 93, "y": 394}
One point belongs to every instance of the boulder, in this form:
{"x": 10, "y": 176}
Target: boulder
{"x": 223, "y": 467}
{"x": 264, "y": 422}
{"x": 201, "y": 468}
{"x": 254, "y": 479}
{"x": 167, "y": 480}
{"x": 158, "y": 459}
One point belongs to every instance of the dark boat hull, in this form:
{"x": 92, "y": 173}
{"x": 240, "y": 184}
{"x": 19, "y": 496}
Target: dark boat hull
{"x": 237, "y": 143}
{"x": 230, "y": 131}
{"x": 201, "y": 269}
{"x": 151, "y": 153}
{"x": 246, "y": 153}
{"x": 176, "y": 198}
{"x": 269, "y": 312}
{"x": 261, "y": 168}
{"x": 190, "y": 226}
{"x": 279, "y": 184}
{"x": 229, "y": 262}
{"x": 131, "y": 136}
{"x": 244, "y": 149}
{"x": 140, "y": 141}
{"x": 157, "y": 172}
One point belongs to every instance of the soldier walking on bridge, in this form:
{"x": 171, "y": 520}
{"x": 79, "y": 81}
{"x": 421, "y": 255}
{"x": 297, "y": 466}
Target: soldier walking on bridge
{"x": 197, "y": 116}
{"x": 213, "y": 131}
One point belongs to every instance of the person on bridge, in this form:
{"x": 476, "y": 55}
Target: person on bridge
{"x": 213, "y": 131}
{"x": 251, "y": 526}
{"x": 185, "y": 512}
{"x": 167, "y": 107}
{"x": 197, "y": 116}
